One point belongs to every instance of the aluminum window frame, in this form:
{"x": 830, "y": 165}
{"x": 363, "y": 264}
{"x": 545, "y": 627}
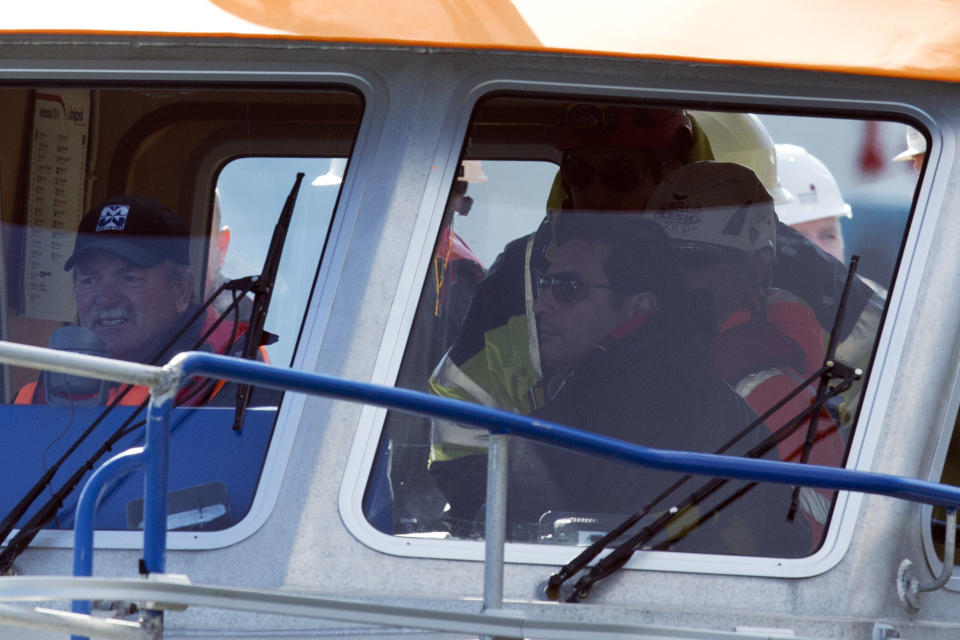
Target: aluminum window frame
{"x": 334, "y": 75}
{"x": 889, "y": 347}
{"x": 939, "y": 157}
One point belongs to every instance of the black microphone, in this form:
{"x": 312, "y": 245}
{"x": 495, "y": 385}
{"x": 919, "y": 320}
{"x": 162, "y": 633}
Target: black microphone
{"x": 66, "y": 389}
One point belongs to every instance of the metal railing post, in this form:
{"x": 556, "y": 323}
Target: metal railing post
{"x": 114, "y": 468}
{"x": 156, "y": 472}
{"x": 156, "y": 476}
{"x": 154, "y": 459}
{"x": 495, "y": 522}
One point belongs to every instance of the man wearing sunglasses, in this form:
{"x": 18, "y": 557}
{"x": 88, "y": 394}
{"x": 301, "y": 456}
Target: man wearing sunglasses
{"x": 612, "y": 156}
{"x": 616, "y": 167}
{"x": 624, "y": 356}
{"x": 600, "y": 287}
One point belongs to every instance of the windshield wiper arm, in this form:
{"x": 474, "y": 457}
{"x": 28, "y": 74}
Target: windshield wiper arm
{"x": 830, "y": 370}
{"x": 824, "y": 380}
{"x": 622, "y": 552}
{"x": 263, "y": 290}
{"x": 566, "y": 572}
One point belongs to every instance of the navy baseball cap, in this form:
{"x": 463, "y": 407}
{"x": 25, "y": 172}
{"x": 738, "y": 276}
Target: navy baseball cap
{"x": 136, "y": 228}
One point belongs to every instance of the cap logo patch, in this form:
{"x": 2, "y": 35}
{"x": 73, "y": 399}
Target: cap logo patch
{"x": 113, "y": 217}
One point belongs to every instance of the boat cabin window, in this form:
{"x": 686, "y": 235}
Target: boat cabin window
{"x": 135, "y": 223}
{"x": 661, "y": 274}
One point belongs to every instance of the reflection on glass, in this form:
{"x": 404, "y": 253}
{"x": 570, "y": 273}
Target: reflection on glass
{"x": 655, "y": 294}
{"x": 175, "y": 214}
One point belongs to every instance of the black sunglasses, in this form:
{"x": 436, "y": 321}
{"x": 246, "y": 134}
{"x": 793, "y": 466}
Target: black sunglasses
{"x": 565, "y": 289}
{"x": 616, "y": 174}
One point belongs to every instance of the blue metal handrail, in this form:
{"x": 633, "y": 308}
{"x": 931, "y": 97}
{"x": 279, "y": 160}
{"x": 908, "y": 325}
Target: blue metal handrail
{"x": 506, "y": 423}
{"x": 154, "y": 455}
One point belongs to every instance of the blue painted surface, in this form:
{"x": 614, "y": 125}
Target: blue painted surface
{"x": 203, "y": 449}
{"x": 116, "y": 467}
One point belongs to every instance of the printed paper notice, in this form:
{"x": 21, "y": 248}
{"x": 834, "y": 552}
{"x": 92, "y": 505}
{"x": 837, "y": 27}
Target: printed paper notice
{"x": 58, "y": 164}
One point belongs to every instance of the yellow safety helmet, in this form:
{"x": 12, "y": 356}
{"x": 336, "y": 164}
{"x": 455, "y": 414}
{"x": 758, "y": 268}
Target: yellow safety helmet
{"x": 742, "y": 139}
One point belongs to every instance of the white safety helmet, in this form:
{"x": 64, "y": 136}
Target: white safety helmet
{"x": 472, "y": 171}
{"x": 815, "y": 191}
{"x": 742, "y": 138}
{"x": 916, "y": 145}
{"x": 718, "y": 203}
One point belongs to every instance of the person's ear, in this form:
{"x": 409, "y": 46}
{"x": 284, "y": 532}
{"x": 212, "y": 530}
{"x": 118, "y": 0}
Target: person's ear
{"x": 639, "y": 303}
{"x": 183, "y": 292}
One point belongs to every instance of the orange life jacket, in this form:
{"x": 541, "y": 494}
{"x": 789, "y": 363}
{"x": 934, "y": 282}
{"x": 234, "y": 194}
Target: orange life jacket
{"x": 192, "y": 393}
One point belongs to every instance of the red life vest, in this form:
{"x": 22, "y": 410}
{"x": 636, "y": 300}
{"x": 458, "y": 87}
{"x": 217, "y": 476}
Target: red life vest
{"x": 765, "y": 361}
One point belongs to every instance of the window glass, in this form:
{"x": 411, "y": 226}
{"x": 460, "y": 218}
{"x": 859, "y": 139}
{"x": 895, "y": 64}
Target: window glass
{"x": 249, "y": 189}
{"x": 189, "y": 191}
{"x": 663, "y": 275}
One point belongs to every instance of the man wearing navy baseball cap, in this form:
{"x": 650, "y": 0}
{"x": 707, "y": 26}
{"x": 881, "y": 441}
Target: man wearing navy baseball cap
{"x": 131, "y": 274}
{"x": 134, "y": 290}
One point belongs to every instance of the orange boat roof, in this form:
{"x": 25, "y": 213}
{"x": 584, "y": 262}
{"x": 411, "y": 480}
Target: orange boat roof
{"x": 913, "y": 39}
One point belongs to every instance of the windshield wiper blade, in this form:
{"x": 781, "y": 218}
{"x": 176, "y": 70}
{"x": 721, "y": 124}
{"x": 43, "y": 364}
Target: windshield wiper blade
{"x": 566, "y": 572}
{"x": 263, "y": 291}
{"x": 824, "y": 381}
{"x": 622, "y": 552}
